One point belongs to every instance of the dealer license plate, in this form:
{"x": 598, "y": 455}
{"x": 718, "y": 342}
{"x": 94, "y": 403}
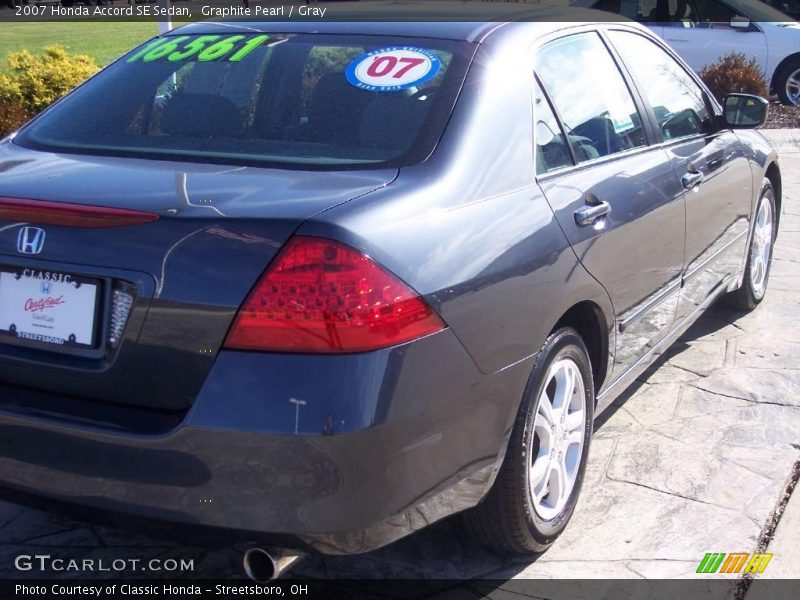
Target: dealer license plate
{"x": 48, "y": 307}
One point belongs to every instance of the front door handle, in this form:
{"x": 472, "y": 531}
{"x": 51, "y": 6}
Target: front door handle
{"x": 691, "y": 179}
{"x": 589, "y": 213}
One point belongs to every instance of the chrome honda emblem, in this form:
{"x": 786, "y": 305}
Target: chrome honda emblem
{"x": 30, "y": 240}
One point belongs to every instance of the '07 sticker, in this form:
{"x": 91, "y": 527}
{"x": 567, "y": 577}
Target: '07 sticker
{"x": 393, "y": 69}
{"x": 204, "y": 48}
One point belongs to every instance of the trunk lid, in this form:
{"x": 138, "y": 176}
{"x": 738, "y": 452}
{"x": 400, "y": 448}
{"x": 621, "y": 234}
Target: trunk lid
{"x": 186, "y": 273}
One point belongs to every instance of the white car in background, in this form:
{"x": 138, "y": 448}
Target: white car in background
{"x": 702, "y": 31}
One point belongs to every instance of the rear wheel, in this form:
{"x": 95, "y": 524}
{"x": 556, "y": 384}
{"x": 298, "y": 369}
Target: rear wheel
{"x": 538, "y": 485}
{"x": 759, "y": 255}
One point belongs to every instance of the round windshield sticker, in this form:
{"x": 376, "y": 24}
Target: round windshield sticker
{"x": 393, "y": 69}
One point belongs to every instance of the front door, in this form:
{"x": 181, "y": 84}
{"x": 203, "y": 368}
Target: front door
{"x": 709, "y": 161}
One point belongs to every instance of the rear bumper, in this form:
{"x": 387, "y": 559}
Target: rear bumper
{"x": 340, "y": 454}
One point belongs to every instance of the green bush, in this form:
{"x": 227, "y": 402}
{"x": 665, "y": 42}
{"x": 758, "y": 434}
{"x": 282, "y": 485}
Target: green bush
{"x": 734, "y": 72}
{"x": 30, "y": 83}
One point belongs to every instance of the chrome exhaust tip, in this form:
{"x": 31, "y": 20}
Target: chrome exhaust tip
{"x": 265, "y": 564}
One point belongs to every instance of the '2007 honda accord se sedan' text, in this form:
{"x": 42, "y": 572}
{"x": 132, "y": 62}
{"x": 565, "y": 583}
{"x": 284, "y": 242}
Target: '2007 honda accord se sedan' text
{"x": 323, "y": 284}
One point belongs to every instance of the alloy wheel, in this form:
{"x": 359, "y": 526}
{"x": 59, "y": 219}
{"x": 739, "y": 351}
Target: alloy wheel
{"x": 761, "y": 248}
{"x": 793, "y": 87}
{"x": 558, "y": 439}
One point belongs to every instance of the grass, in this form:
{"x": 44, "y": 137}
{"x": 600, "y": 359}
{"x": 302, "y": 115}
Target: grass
{"x": 104, "y": 42}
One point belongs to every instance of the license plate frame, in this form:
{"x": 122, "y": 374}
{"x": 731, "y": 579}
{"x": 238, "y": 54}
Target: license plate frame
{"x": 49, "y": 282}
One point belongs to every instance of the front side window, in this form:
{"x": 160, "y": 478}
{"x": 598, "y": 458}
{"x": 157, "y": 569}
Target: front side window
{"x": 700, "y": 13}
{"x": 296, "y": 100}
{"x": 676, "y": 99}
{"x": 709, "y": 14}
{"x": 590, "y": 96}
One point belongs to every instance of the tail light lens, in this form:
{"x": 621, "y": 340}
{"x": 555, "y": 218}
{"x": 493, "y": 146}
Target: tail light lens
{"x": 322, "y": 296}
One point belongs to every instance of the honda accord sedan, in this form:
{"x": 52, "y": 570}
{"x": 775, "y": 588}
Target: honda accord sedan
{"x": 321, "y": 285}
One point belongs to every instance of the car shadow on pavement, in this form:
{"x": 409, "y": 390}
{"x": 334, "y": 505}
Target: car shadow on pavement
{"x": 715, "y": 318}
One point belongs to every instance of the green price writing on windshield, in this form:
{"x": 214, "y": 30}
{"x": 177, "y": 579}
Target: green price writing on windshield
{"x": 204, "y": 48}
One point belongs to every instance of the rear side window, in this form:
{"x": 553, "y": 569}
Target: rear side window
{"x": 674, "y": 13}
{"x": 640, "y": 10}
{"x": 304, "y": 101}
{"x": 698, "y": 13}
{"x": 590, "y": 96}
{"x": 677, "y": 101}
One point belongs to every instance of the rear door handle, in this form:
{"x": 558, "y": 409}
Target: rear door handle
{"x": 589, "y": 213}
{"x": 691, "y": 179}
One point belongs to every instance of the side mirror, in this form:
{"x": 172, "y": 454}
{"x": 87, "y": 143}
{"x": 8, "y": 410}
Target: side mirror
{"x": 744, "y": 111}
{"x": 740, "y": 23}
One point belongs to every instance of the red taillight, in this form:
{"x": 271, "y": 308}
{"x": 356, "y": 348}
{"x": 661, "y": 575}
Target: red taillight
{"x": 322, "y": 296}
{"x": 42, "y": 212}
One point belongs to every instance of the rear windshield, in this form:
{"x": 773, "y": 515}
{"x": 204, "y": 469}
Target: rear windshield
{"x": 303, "y": 101}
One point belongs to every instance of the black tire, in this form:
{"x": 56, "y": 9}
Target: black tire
{"x": 746, "y": 297}
{"x": 782, "y": 76}
{"x": 506, "y": 519}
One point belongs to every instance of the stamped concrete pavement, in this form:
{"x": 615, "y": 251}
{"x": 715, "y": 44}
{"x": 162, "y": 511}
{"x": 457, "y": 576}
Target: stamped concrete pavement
{"x": 693, "y": 459}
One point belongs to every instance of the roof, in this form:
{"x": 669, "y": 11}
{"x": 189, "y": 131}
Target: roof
{"x": 471, "y": 21}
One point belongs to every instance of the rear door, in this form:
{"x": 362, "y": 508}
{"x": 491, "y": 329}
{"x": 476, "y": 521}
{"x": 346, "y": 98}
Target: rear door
{"x": 616, "y": 197}
{"x": 709, "y": 161}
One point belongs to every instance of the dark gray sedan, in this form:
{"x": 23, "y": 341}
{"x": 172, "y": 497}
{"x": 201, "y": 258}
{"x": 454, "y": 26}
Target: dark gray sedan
{"x": 320, "y": 285}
